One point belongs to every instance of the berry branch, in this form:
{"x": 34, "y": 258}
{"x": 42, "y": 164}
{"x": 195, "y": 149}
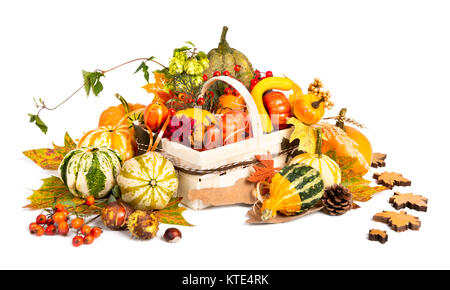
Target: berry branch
{"x": 91, "y": 83}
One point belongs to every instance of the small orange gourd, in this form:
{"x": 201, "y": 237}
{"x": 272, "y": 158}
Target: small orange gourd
{"x": 114, "y": 114}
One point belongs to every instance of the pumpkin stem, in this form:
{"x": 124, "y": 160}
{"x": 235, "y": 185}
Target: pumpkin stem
{"x": 340, "y": 119}
{"x": 319, "y": 142}
{"x": 124, "y": 103}
{"x": 223, "y": 44}
{"x": 316, "y": 104}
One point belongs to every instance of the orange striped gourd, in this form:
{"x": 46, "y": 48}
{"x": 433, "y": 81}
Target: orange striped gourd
{"x": 115, "y": 137}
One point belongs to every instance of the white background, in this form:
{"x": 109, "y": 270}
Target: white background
{"x": 386, "y": 61}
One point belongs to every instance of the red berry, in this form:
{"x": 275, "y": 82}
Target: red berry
{"x": 96, "y": 232}
{"x": 254, "y": 81}
{"x": 211, "y": 94}
{"x": 85, "y": 230}
{"x": 77, "y": 241}
{"x": 252, "y": 87}
{"x": 59, "y": 217}
{"x": 269, "y": 74}
{"x": 191, "y": 100}
{"x": 89, "y": 239}
{"x": 41, "y": 219}
{"x": 200, "y": 101}
{"x": 50, "y": 221}
{"x": 59, "y": 207}
{"x": 40, "y": 231}
{"x": 63, "y": 228}
{"x": 235, "y": 92}
{"x": 205, "y": 78}
{"x": 257, "y": 72}
{"x": 33, "y": 227}
{"x": 216, "y": 73}
{"x": 237, "y": 67}
{"x": 50, "y": 230}
{"x": 172, "y": 111}
{"x": 227, "y": 91}
{"x": 90, "y": 200}
{"x": 77, "y": 223}
{"x": 226, "y": 73}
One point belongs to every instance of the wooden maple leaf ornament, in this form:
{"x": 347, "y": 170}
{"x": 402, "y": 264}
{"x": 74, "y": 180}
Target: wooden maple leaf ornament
{"x": 264, "y": 172}
{"x": 399, "y": 222}
{"x": 378, "y": 235}
{"x": 378, "y": 160}
{"x": 391, "y": 179}
{"x": 409, "y": 200}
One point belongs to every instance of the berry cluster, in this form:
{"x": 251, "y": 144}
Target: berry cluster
{"x": 258, "y": 77}
{"x": 228, "y": 90}
{"x": 57, "y": 221}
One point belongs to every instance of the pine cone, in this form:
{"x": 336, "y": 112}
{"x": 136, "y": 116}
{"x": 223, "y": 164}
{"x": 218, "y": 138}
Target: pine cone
{"x": 337, "y": 199}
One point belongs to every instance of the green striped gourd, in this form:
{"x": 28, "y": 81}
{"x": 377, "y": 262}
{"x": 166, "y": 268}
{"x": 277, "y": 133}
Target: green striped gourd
{"x": 147, "y": 181}
{"x": 328, "y": 168}
{"x": 90, "y": 171}
{"x": 296, "y": 188}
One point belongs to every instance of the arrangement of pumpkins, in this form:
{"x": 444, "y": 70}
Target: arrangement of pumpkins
{"x": 106, "y": 156}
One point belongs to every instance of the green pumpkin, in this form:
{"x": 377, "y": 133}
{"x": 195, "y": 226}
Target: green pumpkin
{"x": 295, "y": 189}
{"x": 90, "y": 171}
{"x": 225, "y": 58}
{"x": 147, "y": 181}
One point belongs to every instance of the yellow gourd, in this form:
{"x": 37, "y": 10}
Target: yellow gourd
{"x": 273, "y": 83}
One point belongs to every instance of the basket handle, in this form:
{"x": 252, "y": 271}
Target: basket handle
{"x": 253, "y": 113}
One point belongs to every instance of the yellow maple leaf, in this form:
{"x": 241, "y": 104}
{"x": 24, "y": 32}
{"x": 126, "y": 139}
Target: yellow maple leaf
{"x": 305, "y": 134}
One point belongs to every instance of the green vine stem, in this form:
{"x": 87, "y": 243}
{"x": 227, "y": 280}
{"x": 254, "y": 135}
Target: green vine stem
{"x": 41, "y": 105}
{"x": 319, "y": 142}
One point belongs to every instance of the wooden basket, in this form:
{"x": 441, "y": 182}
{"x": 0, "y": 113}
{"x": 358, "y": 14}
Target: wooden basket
{"x": 226, "y": 167}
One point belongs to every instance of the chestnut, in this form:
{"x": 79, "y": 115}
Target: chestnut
{"x": 115, "y": 215}
{"x": 172, "y": 235}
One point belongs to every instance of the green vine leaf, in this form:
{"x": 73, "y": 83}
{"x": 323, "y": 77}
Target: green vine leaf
{"x": 144, "y": 67}
{"x": 92, "y": 82}
{"x": 38, "y": 121}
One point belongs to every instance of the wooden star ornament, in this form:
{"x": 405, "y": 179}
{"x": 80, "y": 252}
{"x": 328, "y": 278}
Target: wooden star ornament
{"x": 412, "y": 201}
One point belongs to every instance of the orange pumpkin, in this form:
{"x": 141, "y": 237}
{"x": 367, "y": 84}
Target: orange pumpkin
{"x": 155, "y": 115}
{"x": 114, "y": 114}
{"x": 309, "y": 109}
{"x": 278, "y": 107}
{"x": 230, "y": 102}
{"x": 114, "y": 137}
{"x": 348, "y": 141}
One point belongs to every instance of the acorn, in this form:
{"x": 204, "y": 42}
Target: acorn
{"x": 115, "y": 215}
{"x": 143, "y": 225}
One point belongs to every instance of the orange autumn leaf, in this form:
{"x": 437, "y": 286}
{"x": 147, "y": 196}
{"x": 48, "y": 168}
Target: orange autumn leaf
{"x": 264, "y": 172}
{"x": 48, "y": 158}
{"x": 158, "y": 88}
